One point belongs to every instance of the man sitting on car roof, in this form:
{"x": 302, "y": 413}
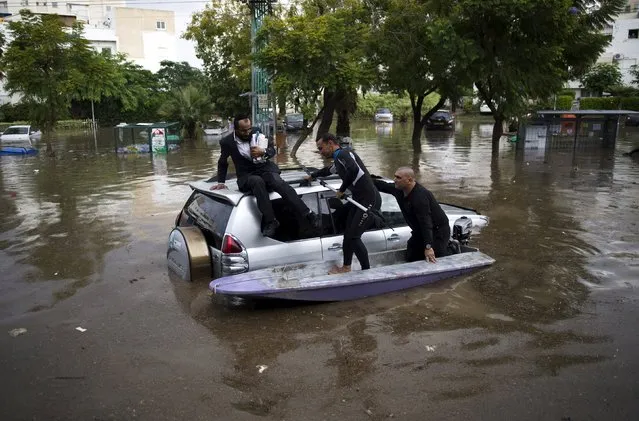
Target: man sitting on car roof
{"x": 251, "y": 152}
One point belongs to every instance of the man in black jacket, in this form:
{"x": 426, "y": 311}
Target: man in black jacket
{"x": 355, "y": 177}
{"x": 427, "y": 220}
{"x": 256, "y": 173}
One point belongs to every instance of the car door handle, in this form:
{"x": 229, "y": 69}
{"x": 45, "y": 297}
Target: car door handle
{"x": 335, "y": 246}
{"x": 394, "y": 237}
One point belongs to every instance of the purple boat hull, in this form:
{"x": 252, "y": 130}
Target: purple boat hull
{"x": 310, "y": 282}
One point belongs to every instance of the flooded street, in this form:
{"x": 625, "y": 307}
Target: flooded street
{"x": 546, "y": 333}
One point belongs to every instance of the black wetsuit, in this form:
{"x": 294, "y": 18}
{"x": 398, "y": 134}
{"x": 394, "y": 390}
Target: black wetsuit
{"x": 355, "y": 177}
{"x": 427, "y": 220}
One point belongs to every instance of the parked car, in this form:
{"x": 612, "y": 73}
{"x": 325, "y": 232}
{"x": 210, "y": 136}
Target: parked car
{"x": 294, "y": 122}
{"x": 26, "y": 134}
{"x": 383, "y": 115}
{"x": 217, "y": 232}
{"x": 632, "y": 120}
{"x": 441, "y": 119}
{"x": 484, "y": 109}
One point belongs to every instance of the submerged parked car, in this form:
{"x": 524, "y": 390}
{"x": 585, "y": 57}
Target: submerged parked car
{"x": 26, "y": 134}
{"x": 217, "y": 232}
{"x": 383, "y": 115}
{"x": 294, "y": 122}
{"x": 441, "y": 119}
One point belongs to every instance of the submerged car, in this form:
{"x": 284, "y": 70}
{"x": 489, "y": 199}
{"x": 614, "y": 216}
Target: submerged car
{"x": 23, "y": 134}
{"x": 441, "y": 119}
{"x": 294, "y": 122}
{"x": 383, "y": 115}
{"x": 217, "y": 233}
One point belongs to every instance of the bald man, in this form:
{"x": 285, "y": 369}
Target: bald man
{"x": 427, "y": 220}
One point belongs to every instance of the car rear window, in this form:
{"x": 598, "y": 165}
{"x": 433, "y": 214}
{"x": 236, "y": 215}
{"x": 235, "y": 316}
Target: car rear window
{"x": 211, "y": 215}
{"x": 441, "y": 114}
{"x": 383, "y": 111}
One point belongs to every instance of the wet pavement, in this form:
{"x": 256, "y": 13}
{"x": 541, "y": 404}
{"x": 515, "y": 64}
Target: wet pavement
{"x": 547, "y": 333}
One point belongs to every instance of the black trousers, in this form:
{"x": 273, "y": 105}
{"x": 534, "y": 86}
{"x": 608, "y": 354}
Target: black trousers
{"x": 415, "y": 246}
{"x": 356, "y": 224}
{"x": 260, "y": 183}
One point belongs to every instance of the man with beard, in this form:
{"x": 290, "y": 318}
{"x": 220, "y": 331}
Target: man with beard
{"x": 355, "y": 177}
{"x": 257, "y": 174}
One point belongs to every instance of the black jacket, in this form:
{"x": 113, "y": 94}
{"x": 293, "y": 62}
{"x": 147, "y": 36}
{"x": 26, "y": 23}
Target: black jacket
{"x": 354, "y": 175}
{"x": 420, "y": 209}
{"x": 243, "y": 166}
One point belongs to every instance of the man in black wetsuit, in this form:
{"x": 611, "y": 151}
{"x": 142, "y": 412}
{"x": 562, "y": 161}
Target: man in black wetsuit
{"x": 355, "y": 177}
{"x": 251, "y": 152}
{"x": 427, "y": 220}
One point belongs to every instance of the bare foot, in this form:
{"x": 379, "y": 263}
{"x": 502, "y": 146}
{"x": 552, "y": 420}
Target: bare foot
{"x": 339, "y": 269}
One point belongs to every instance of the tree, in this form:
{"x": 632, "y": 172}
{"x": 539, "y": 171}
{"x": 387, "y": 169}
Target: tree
{"x": 321, "y": 49}
{"x": 173, "y": 75}
{"x": 189, "y": 105}
{"x": 601, "y": 77}
{"x": 222, "y": 35}
{"x": 47, "y": 64}
{"x": 418, "y": 56}
{"x": 524, "y": 50}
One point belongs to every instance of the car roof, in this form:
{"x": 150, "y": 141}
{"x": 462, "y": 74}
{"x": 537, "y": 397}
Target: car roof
{"x": 19, "y": 126}
{"x": 233, "y": 195}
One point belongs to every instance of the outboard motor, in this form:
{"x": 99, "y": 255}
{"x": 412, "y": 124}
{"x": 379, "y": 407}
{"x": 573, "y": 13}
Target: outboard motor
{"x": 461, "y": 234}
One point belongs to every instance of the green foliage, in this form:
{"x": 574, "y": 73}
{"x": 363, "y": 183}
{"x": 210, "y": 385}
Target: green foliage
{"x": 175, "y": 75}
{"x": 222, "y": 34}
{"x": 601, "y": 77}
{"x": 190, "y": 106}
{"x": 599, "y": 103}
{"x": 567, "y": 92}
{"x": 60, "y": 125}
{"x": 399, "y": 105}
{"x": 624, "y": 91}
{"x": 564, "y": 102}
{"x": 629, "y": 103}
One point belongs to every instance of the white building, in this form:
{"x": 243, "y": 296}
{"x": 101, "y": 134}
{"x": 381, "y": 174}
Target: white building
{"x": 623, "y": 48}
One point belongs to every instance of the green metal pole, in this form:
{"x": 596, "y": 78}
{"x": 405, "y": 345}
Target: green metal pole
{"x": 259, "y": 78}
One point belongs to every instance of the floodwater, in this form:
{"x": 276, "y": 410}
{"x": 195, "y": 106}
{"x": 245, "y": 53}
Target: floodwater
{"x": 547, "y": 333}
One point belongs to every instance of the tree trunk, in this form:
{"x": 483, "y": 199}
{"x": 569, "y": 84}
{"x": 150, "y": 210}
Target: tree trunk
{"x": 498, "y": 130}
{"x": 416, "y": 105}
{"x": 330, "y": 102}
{"x": 305, "y": 133}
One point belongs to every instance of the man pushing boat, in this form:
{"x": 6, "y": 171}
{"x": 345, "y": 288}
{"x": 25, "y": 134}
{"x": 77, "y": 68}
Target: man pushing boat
{"x": 355, "y": 177}
{"x": 427, "y": 220}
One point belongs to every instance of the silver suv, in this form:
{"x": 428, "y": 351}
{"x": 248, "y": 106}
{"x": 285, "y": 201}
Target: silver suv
{"x": 217, "y": 233}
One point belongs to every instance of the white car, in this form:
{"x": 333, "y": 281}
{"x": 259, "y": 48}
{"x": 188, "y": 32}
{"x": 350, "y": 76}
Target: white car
{"x": 22, "y": 134}
{"x": 484, "y": 109}
{"x": 383, "y": 115}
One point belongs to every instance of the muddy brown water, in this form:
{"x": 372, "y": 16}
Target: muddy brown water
{"x": 547, "y": 332}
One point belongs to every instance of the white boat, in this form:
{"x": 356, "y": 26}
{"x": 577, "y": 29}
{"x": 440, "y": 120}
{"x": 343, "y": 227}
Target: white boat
{"x": 20, "y": 134}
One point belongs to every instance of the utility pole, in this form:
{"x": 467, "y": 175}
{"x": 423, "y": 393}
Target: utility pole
{"x": 260, "y": 86}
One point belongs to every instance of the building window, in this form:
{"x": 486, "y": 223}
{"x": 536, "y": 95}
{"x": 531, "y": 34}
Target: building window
{"x": 108, "y": 8}
{"x": 44, "y": 3}
{"x": 54, "y": 4}
{"x": 160, "y": 25}
{"x": 24, "y": 2}
{"x": 633, "y": 34}
{"x": 106, "y": 50}
{"x": 37, "y": 3}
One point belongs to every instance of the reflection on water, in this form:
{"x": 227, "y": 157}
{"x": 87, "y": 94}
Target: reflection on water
{"x": 563, "y": 222}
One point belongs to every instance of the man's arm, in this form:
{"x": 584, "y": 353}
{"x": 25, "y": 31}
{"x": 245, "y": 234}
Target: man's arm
{"x": 270, "y": 149}
{"x": 323, "y": 172}
{"x": 385, "y": 187}
{"x": 223, "y": 164}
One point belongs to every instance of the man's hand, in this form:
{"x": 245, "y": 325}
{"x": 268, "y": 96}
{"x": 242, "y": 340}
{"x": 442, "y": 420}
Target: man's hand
{"x": 339, "y": 195}
{"x": 218, "y": 186}
{"x": 256, "y": 152}
{"x": 429, "y": 255}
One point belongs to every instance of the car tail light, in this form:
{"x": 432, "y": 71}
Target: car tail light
{"x": 231, "y": 245}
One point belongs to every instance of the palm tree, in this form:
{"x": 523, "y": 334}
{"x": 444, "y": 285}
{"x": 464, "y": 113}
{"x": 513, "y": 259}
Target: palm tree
{"x": 189, "y": 105}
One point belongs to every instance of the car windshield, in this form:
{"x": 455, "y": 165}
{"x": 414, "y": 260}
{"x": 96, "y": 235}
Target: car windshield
{"x": 441, "y": 114}
{"x": 17, "y": 130}
{"x": 295, "y": 117}
{"x": 383, "y": 111}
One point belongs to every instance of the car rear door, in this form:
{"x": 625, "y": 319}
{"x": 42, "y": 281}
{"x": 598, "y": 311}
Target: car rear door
{"x": 396, "y": 232}
{"x": 333, "y": 213}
